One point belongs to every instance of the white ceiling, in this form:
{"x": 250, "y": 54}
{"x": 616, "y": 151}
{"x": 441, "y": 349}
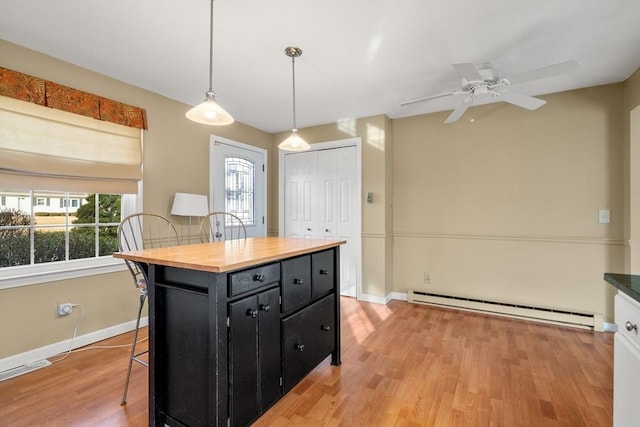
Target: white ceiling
{"x": 360, "y": 58}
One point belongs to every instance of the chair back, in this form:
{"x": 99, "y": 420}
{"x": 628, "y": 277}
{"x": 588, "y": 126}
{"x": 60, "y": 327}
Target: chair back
{"x": 144, "y": 231}
{"x": 219, "y": 226}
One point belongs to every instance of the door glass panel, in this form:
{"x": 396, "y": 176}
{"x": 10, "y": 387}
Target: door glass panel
{"x": 239, "y": 191}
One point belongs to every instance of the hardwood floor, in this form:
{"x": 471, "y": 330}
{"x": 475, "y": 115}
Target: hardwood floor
{"x": 402, "y": 365}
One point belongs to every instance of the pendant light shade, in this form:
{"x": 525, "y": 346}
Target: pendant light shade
{"x": 295, "y": 141}
{"x": 210, "y": 112}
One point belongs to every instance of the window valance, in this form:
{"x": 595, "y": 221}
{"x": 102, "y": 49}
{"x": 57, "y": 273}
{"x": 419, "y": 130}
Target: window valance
{"x": 25, "y": 87}
{"x": 49, "y": 149}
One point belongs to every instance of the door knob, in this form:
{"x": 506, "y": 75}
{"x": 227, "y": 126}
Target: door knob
{"x": 298, "y": 281}
{"x": 327, "y": 230}
{"x": 324, "y": 272}
{"x": 252, "y": 312}
{"x": 300, "y": 347}
{"x": 326, "y": 328}
{"x": 265, "y": 307}
{"x": 308, "y": 229}
{"x": 630, "y": 326}
{"x": 258, "y": 277}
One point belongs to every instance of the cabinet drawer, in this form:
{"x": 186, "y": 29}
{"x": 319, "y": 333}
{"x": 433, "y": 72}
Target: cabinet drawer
{"x": 308, "y": 337}
{"x": 322, "y": 272}
{"x": 296, "y": 282}
{"x": 627, "y": 312}
{"x": 254, "y": 278}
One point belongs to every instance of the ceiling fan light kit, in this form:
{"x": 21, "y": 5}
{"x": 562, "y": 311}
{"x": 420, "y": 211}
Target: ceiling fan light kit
{"x": 481, "y": 81}
{"x": 209, "y": 112}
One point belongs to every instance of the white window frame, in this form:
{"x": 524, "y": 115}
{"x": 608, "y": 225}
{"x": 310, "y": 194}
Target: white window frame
{"x": 25, "y": 275}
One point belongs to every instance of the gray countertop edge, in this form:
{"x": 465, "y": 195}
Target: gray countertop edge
{"x": 629, "y": 284}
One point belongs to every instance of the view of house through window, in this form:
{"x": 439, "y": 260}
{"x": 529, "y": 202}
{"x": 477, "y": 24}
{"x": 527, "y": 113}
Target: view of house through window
{"x": 239, "y": 183}
{"x": 41, "y": 227}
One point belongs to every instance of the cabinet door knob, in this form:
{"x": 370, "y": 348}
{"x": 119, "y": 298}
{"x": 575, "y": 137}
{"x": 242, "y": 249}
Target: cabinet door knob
{"x": 630, "y": 326}
{"x": 252, "y": 312}
{"x": 324, "y": 272}
{"x": 327, "y": 230}
{"x": 300, "y": 347}
{"x": 265, "y": 307}
{"x": 298, "y": 281}
{"x": 308, "y": 229}
{"x": 258, "y": 277}
{"x": 326, "y": 328}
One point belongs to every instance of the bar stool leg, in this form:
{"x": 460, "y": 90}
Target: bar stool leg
{"x": 143, "y": 296}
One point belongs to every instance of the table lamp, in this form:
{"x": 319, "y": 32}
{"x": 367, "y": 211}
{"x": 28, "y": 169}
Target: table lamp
{"x": 186, "y": 204}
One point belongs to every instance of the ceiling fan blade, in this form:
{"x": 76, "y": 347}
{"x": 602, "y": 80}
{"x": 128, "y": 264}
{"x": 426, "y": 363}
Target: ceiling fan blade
{"x": 521, "y": 100}
{"x": 468, "y": 71}
{"x": 458, "y": 112}
{"x": 544, "y": 72}
{"x": 424, "y": 98}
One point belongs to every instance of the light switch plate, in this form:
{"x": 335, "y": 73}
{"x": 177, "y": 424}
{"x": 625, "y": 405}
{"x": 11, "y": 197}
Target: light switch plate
{"x": 604, "y": 216}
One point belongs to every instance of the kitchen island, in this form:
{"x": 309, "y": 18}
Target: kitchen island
{"x": 234, "y": 325}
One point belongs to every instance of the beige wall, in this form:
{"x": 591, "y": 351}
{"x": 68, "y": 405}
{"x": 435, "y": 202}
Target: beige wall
{"x": 506, "y": 208}
{"x": 176, "y": 158}
{"x": 632, "y": 110}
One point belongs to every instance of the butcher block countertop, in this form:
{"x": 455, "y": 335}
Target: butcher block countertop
{"x": 219, "y": 257}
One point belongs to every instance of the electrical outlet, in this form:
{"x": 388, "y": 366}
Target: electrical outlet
{"x": 64, "y": 308}
{"x": 427, "y": 278}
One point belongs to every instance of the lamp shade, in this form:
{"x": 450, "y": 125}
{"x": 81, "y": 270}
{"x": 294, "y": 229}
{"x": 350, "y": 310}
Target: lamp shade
{"x": 209, "y": 112}
{"x": 294, "y": 143}
{"x": 186, "y": 204}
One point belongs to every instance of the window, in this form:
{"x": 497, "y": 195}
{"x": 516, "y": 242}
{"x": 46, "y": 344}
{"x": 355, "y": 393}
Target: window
{"x": 64, "y": 199}
{"x": 239, "y": 180}
{"x": 30, "y": 237}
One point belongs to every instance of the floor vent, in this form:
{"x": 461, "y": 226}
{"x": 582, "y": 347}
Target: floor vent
{"x": 542, "y": 314}
{"x": 11, "y": 373}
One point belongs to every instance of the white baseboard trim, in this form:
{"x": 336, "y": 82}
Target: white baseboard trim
{"x": 382, "y": 300}
{"x": 397, "y": 296}
{"x": 62, "y": 346}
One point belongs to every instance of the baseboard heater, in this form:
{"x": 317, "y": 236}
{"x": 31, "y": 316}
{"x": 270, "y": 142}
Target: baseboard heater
{"x": 540, "y": 314}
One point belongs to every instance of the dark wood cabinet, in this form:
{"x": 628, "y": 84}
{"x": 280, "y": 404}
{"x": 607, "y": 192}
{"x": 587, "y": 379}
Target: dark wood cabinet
{"x": 308, "y": 337}
{"x": 296, "y": 283}
{"x": 226, "y": 341}
{"x": 254, "y": 355}
{"x": 323, "y": 270}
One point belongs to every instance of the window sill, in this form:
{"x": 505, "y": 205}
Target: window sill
{"x": 24, "y": 275}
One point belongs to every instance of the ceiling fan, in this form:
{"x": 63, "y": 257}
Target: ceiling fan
{"x": 481, "y": 82}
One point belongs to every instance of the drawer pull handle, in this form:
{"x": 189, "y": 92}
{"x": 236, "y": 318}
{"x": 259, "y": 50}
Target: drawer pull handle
{"x": 324, "y": 272}
{"x": 298, "y": 281}
{"x": 252, "y": 312}
{"x": 265, "y": 307}
{"x": 300, "y": 347}
{"x": 630, "y": 326}
{"x": 258, "y": 277}
{"x": 326, "y": 327}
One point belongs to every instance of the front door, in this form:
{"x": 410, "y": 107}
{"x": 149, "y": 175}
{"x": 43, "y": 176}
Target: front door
{"x": 237, "y": 182}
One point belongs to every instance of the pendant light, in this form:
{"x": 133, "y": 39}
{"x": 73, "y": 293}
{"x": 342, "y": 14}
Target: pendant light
{"x": 294, "y": 142}
{"x": 210, "y": 112}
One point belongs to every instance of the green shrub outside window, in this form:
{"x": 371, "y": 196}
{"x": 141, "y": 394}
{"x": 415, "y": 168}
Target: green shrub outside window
{"x": 25, "y": 239}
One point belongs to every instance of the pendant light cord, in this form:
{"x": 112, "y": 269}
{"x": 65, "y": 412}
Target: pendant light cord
{"x": 293, "y": 68}
{"x": 211, "y": 48}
